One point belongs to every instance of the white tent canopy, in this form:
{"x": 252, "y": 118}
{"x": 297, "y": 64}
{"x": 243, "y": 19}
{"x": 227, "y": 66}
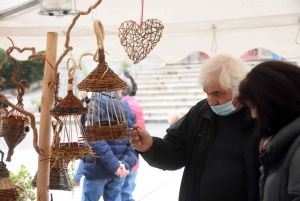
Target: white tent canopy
{"x": 241, "y": 25}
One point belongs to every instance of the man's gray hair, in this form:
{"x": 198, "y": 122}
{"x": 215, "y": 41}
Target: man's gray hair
{"x": 231, "y": 72}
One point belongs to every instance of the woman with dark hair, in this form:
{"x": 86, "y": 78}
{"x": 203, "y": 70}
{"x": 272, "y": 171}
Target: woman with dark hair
{"x": 272, "y": 91}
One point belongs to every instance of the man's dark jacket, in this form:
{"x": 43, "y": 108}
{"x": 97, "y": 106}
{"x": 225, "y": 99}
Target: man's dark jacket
{"x": 187, "y": 144}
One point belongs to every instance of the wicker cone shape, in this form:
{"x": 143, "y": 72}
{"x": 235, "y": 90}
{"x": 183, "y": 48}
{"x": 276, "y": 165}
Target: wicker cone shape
{"x": 59, "y": 177}
{"x": 102, "y": 78}
{"x": 138, "y": 40}
{"x": 4, "y": 173}
{"x": 13, "y": 130}
{"x": 8, "y": 191}
{"x": 70, "y": 105}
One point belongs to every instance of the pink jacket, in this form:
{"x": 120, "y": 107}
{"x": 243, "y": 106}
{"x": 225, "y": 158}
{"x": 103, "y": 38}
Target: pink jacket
{"x": 139, "y": 115}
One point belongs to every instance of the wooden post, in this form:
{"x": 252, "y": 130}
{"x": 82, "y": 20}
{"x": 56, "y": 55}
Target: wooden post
{"x": 45, "y": 120}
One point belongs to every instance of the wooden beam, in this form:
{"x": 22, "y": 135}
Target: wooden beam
{"x": 45, "y": 119}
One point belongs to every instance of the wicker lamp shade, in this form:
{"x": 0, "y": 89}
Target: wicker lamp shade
{"x": 59, "y": 177}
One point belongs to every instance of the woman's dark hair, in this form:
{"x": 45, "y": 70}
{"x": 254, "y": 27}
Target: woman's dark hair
{"x": 273, "y": 87}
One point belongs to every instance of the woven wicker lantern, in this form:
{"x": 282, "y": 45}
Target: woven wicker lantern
{"x": 59, "y": 177}
{"x": 15, "y": 125}
{"x": 106, "y": 119}
{"x": 69, "y": 142}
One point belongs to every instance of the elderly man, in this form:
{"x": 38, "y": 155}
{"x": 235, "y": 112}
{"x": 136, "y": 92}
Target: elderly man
{"x": 214, "y": 141}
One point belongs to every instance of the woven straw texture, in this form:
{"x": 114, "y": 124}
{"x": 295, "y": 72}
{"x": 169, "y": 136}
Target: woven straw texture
{"x": 138, "y": 40}
{"x": 105, "y": 132}
{"x": 59, "y": 177}
{"x": 13, "y": 131}
{"x": 70, "y": 105}
{"x": 8, "y": 192}
{"x": 3, "y": 114}
{"x": 4, "y": 173}
{"x": 101, "y": 79}
{"x": 71, "y": 151}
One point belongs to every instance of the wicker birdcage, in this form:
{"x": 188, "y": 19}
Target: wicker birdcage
{"x": 105, "y": 119}
{"x": 59, "y": 177}
{"x": 69, "y": 142}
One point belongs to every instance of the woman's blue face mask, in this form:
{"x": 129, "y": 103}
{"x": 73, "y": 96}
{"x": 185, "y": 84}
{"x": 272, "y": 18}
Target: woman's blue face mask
{"x": 224, "y": 109}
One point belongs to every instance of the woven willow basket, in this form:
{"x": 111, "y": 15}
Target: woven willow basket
{"x": 105, "y": 132}
{"x": 71, "y": 151}
{"x": 13, "y": 130}
{"x": 8, "y": 192}
{"x": 59, "y": 177}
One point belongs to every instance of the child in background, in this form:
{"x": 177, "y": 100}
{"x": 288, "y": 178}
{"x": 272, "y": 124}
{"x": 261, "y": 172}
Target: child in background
{"x": 173, "y": 117}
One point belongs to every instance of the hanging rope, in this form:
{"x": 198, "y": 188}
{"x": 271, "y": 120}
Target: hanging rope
{"x": 297, "y": 36}
{"x": 100, "y": 34}
{"x": 142, "y": 13}
{"x": 214, "y": 40}
{"x": 71, "y": 72}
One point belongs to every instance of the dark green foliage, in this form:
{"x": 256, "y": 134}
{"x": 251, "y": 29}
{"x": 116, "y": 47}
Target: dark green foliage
{"x": 32, "y": 71}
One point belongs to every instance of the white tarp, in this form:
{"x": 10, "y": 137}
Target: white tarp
{"x": 241, "y": 25}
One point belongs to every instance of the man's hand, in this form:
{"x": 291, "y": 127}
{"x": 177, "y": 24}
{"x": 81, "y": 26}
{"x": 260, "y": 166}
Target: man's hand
{"x": 140, "y": 139}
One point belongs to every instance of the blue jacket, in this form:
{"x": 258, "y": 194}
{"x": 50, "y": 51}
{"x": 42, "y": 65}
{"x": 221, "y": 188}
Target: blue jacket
{"x": 110, "y": 151}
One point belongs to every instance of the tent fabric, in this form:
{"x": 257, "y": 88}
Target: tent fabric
{"x": 241, "y": 25}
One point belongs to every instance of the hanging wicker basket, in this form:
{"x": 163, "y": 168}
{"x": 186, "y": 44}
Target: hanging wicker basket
{"x": 71, "y": 151}
{"x": 59, "y": 177}
{"x": 69, "y": 108}
{"x": 4, "y": 173}
{"x": 14, "y": 131}
{"x": 105, "y": 131}
{"x": 8, "y": 192}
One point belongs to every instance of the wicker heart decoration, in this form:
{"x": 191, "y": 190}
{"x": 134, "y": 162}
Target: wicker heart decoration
{"x": 138, "y": 40}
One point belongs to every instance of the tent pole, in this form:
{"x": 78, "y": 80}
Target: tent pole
{"x": 43, "y": 173}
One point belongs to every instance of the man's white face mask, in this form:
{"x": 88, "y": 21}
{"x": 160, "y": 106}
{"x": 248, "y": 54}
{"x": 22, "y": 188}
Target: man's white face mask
{"x": 224, "y": 109}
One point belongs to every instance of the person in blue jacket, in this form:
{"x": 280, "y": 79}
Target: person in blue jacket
{"x": 105, "y": 176}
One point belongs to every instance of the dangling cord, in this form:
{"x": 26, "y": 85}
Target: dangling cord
{"x": 71, "y": 72}
{"x": 99, "y": 31}
{"x": 142, "y": 14}
{"x": 297, "y": 34}
{"x": 214, "y": 41}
